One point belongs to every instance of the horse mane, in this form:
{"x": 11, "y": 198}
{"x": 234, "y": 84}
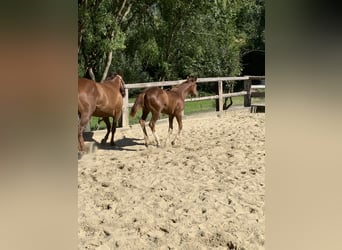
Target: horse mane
{"x": 188, "y": 80}
{"x": 111, "y": 76}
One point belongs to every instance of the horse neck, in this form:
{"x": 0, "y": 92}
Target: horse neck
{"x": 119, "y": 84}
{"x": 114, "y": 82}
{"x": 183, "y": 89}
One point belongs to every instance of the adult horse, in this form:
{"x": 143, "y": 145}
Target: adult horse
{"x": 170, "y": 102}
{"x": 101, "y": 100}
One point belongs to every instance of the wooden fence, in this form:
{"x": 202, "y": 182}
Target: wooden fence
{"x": 246, "y": 92}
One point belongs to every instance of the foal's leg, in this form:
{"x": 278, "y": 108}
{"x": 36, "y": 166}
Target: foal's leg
{"x": 143, "y": 125}
{"x": 170, "y": 127}
{"x": 152, "y": 124}
{"x": 106, "y": 120}
{"x": 180, "y": 126}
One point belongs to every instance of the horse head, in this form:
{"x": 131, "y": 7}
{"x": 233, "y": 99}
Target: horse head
{"x": 193, "y": 86}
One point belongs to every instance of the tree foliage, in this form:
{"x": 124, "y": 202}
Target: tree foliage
{"x": 152, "y": 40}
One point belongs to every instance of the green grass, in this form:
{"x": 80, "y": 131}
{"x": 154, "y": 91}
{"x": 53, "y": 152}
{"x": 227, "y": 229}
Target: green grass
{"x": 93, "y": 123}
{"x": 190, "y": 108}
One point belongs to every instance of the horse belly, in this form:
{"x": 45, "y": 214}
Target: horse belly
{"x": 172, "y": 108}
{"x": 100, "y": 113}
{"x": 167, "y": 110}
{"x": 103, "y": 112}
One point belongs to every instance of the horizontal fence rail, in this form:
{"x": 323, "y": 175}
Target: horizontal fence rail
{"x": 246, "y": 92}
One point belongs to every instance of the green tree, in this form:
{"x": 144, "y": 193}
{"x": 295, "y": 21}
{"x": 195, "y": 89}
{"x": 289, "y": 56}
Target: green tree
{"x": 100, "y": 34}
{"x": 152, "y": 40}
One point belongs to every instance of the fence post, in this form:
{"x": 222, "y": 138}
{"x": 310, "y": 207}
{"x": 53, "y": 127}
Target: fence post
{"x": 247, "y": 87}
{"x": 125, "y": 115}
{"x": 220, "y": 92}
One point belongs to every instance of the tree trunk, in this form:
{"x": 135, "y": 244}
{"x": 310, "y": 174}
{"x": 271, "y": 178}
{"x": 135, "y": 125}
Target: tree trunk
{"x": 91, "y": 74}
{"x": 119, "y": 17}
{"x": 79, "y": 43}
{"x": 109, "y": 61}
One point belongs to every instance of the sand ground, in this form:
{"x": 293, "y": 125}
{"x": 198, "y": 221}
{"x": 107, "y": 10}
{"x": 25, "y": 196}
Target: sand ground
{"x": 206, "y": 192}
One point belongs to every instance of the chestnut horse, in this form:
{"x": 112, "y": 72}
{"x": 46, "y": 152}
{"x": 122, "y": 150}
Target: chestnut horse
{"x": 170, "y": 102}
{"x": 101, "y": 100}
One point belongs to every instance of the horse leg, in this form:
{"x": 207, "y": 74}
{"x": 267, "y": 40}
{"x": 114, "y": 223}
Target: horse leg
{"x": 180, "y": 126}
{"x": 170, "y": 127}
{"x": 81, "y": 145}
{"x": 152, "y": 124}
{"x": 143, "y": 126}
{"x": 83, "y": 121}
{"x": 115, "y": 121}
{"x": 106, "y": 120}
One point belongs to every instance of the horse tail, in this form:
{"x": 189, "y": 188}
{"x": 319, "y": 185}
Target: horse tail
{"x": 139, "y": 102}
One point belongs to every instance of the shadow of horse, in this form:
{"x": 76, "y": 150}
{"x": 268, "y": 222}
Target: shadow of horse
{"x": 120, "y": 144}
{"x": 88, "y": 136}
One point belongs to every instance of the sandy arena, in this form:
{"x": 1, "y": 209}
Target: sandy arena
{"x": 206, "y": 192}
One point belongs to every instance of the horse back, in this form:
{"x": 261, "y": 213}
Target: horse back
{"x": 108, "y": 91}
{"x": 168, "y": 102}
{"x": 156, "y": 94}
{"x": 87, "y": 91}
{"x": 86, "y": 86}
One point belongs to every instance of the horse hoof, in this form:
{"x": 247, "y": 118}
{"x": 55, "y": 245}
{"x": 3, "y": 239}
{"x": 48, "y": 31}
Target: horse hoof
{"x": 112, "y": 144}
{"x": 103, "y": 141}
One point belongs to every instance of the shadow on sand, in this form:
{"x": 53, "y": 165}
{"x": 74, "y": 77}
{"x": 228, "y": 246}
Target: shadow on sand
{"x": 120, "y": 144}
